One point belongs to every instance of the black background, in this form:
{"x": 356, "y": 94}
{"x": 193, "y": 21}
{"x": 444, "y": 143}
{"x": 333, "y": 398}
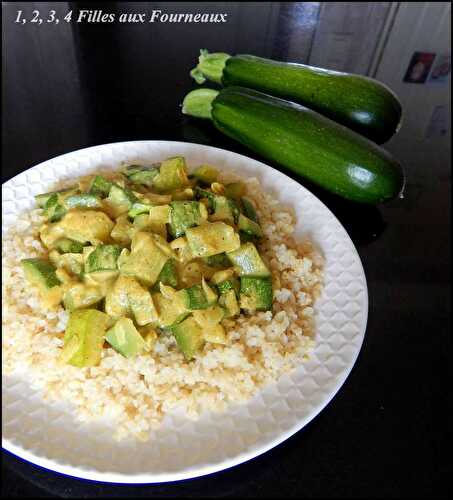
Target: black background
{"x": 386, "y": 433}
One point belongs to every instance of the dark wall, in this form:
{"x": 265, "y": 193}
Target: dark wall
{"x": 68, "y": 86}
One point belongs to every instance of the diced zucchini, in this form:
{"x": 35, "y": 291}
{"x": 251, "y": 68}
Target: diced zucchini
{"x": 135, "y": 168}
{"x": 103, "y": 258}
{"x": 128, "y": 297}
{"x": 208, "y": 317}
{"x": 189, "y": 337}
{"x": 104, "y": 280}
{"x": 123, "y": 230}
{"x": 71, "y": 262}
{"x": 215, "y": 334}
{"x": 100, "y": 186}
{"x": 40, "y": 273}
{"x": 206, "y": 174}
{"x": 125, "y": 338}
{"x": 163, "y": 245}
{"x": 83, "y": 200}
{"x": 199, "y": 296}
{"x": 224, "y": 274}
{"x": 256, "y": 293}
{"x": 85, "y": 226}
{"x": 142, "y": 305}
{"x": 220, "y": 260}
{"x": 229, "y": 284}
{"x": 41, "y": 199}
{"x": 160, "y": 213}
{"x": 249, "y": 227}
{"x": 228, "y": 301}
{"x": 169, "y": 274}
{"x": 84, "y": 338}
{"x": 183, "y": 214}
{"x": 201, "y": 194}
{"x": 120, "y": 200}
{"x": 65, "y": 245}
{"x": 212, "y": 238}
{"x": 235, "y": 190}
{"x": 224, "y": 210}
{"x": 249, "y": 209}
{"x": 81, "y": 296}
{"x": 139, "y": 208}
{"x": 169, "y": 312}
{"x": 143, "y": 222}
{"x": 149, "y": 335}
{"x": 193, "y": 272}
{"x": 54, "y": 209}
{"x": 248, "y": 261}
{"x": 145, "y": 176}
{"x": 146, "y": 259}
{"x": 172, "y": 175}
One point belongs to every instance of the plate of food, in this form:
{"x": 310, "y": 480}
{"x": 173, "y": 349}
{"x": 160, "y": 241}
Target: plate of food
{"x": 169, "y": 310}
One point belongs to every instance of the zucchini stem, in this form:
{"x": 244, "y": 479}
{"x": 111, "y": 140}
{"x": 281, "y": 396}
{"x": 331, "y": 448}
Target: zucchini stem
{"x": 199, "y": 103}
{"x": 209, "y": 67}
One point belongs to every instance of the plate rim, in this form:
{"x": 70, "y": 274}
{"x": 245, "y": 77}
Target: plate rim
{"x": 206, "y": 469}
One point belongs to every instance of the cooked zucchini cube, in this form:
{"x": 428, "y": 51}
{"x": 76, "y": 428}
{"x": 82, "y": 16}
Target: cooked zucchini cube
{"x": 120, "y": 200}
{"x": 225, "y": 210}
{"x": 128, "y": 297}
{"x": 199, "y": 296}
{"x": 256, "y": 293}
{"x": 100, "y": 187}
{"x": 248, "y": 261}
{"x": 42, "y": 199}
{"x": 229, "y": 284}
{"x": 103, "y": 258}
{"x": 169, "y": 274}
{"x": 249, "y": 209}
{"x": 84, "y": 226}
{"x": 139, "y": 208}
{"x": 249, "y": 227}
{"x": 84, "y": 338}
{"x": 145, "y": 176}
{"x": 125, "y": 338}
{"x": 65, "y": 245}
{"x": 189, "y": 337}
{"x": 54, "y": 209}
{"x": 204, "y": 194}
{"x": 146, "y": 259}
{"x": 228, "y": 301}
{"x": 183, "y": 214}
{"x": 172, "y": 175}
{"x": 212, "y": 238}
{"x": 235, "y": 190}
{"x": 206, "y": 174}
{"x": 81, "y": 296}
{"x": 83, "y": 200}
{"x": 40, "y": 272}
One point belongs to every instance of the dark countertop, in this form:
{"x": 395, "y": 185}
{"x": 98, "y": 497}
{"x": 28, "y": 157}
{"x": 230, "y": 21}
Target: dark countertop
{"x": 385, "y": 433}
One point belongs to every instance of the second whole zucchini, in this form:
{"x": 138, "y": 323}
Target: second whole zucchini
{"x": 303, "y": 141}
{"x": 362, "y": 104}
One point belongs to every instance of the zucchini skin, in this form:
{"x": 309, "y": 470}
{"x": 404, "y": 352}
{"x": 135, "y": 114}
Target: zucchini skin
{"x": 360, "y": 103}
{"x": 309, "y": 144}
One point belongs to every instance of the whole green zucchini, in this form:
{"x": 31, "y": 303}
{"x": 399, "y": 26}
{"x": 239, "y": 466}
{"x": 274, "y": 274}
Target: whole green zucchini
{"x": 302, "y": 140}
{"x": 362, "y": 104}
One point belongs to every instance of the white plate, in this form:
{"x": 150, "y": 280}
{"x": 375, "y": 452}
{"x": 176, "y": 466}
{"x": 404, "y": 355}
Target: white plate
{"x": 46, "y": 433}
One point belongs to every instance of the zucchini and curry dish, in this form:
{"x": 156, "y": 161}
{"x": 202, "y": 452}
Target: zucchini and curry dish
{"x": 146, "y": 287}
{"x": 149, "y": 251}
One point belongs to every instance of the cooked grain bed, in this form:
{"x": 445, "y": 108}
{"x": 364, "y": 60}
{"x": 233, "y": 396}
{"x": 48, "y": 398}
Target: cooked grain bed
{"x": 135, "y": 394}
